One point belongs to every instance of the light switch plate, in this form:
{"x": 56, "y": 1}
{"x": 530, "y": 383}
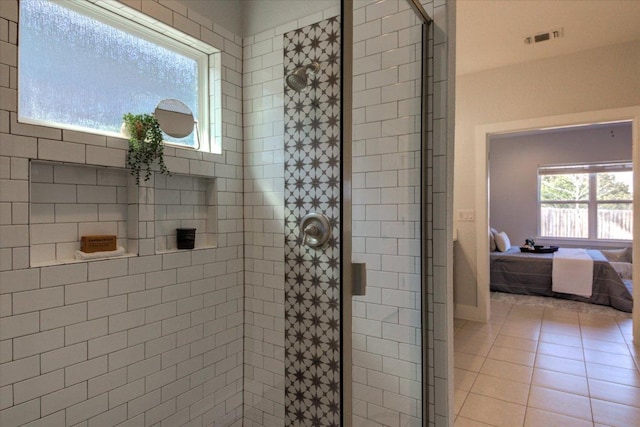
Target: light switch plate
{"x": 466, "y": 215}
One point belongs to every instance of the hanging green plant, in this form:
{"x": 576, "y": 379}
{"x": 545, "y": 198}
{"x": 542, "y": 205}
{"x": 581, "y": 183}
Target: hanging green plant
{"x": 145, "y": 145}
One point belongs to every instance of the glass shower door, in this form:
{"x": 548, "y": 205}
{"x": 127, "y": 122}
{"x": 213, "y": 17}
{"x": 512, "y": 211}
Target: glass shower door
{"x": 387, "y": 331}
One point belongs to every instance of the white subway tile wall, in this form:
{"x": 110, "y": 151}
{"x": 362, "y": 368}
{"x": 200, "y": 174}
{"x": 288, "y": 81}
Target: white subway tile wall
{"x": 150, "y": 339}
{"x": 263, "y": 95}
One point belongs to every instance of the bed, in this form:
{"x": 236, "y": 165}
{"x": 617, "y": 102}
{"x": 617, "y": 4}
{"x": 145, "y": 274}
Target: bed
{"x": 530, "y": 274}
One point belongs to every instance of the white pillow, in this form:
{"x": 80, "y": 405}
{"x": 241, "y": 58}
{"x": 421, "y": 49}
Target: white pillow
{"x": 502, "y": 242}
{"x": 492, "y": 239}
{"x": 624, "y": 269}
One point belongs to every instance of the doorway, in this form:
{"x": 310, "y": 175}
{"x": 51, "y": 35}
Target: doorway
{"x": 483, "y": 134}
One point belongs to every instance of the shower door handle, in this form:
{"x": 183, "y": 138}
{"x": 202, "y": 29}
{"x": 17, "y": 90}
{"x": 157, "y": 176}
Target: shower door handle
{"x": 316, "y": 229}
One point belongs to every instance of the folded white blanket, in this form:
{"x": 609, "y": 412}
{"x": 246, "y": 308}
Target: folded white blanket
{"x": 103, "y": 254}
{"x": 572, "y": 272}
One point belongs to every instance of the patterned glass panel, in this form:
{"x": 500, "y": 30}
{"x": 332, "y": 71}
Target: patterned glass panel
{"x": 77, "y": 71}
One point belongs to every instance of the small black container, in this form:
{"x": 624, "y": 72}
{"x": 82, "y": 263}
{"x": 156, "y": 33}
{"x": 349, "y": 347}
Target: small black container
{"x": 186, "y": 238}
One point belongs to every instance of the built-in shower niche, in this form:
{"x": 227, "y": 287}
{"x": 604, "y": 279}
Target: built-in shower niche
{"x": 68, "y": 201}
{"x": 184, "y": 201}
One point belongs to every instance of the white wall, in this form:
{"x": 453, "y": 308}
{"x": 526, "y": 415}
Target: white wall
{"x": 224, "y": 13}
{"x": 513, "y": 170}
{"x": 250, "y": 17}
{"x": 603, "y": 78}
{"x": 152, "y": 338}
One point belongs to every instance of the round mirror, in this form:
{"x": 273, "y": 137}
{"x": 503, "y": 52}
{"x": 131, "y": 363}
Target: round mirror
{"x": 174, "y": 117}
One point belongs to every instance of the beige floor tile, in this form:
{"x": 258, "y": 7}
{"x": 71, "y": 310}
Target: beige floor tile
{"x": 505, "y": 354}
{"x": 611, "y": 373}
{"x": 521, "y": 331}
{"x": 555, "y": 338}
{"x": 467, "y": 362}
{"x": 555, "y": 314}
{"x": 500, "y": 310}
{"x": 477, "y": 335}
{"x": 510, "y": 371}
{"x": 559, "y": 381}
{"x": 559, "y": 328}
{"x": 463, "y": 380}
{"x": 625, "y": 325}
{"x": 459, "y": 397}
{"x": 582, "y": 361}
{"x": 605, "y": 323}
{"x": 613, "y": 392}
{"x": 500, "y": 388}
{"x": 609, "y": 359}
{"x": 516, "y": 343}
{"x": 605, "y": 346}
{"x": 459, "y": 323}
{"x": 614, "y": 414}
{"x": 468, "y": 422}
{"x": 602, "y": 319}
{"x": 611, "y": 335}
{"x": 528, "y": 311}
{"x": 559, "y": 364}
{"x": 471, "y": 347}
{"x": 559, "y": 402}
{"x": 492, "y": 326}
{"x": 539, "y": 418}
{"x": 493, "y": 411}
{"x": 634, "y": 349}
{"x": 558, "y": 350}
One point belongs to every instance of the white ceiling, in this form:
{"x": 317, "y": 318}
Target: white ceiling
{"x": 490, "y": 33}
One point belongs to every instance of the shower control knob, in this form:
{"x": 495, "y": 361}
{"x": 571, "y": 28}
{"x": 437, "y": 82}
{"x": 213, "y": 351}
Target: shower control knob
{"x": 316, "y": 229}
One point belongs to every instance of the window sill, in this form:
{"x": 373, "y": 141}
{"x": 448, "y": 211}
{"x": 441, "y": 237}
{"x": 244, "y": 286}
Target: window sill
{"x": 591, "y": 243}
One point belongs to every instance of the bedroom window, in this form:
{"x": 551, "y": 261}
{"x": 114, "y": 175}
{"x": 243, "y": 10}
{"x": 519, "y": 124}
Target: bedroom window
{"x": 592, "y": 201}
{"x": 82, "y": 67}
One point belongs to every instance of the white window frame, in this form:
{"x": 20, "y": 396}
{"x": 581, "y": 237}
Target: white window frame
{"x": 592, "y": 169}
{"x": 141, "y": 25}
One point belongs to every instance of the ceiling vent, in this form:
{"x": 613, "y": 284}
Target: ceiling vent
{"x": 543, "y": 37}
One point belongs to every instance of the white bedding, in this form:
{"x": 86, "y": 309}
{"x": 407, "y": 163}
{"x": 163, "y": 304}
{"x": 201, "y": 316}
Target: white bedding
{"x": 572, "y": 272}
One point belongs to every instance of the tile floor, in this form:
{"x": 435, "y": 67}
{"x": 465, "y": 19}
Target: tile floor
{"x": 535, "y": 365}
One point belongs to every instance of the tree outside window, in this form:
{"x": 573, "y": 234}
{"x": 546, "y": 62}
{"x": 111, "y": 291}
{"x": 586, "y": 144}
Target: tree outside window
{"x": 595, "y": 202}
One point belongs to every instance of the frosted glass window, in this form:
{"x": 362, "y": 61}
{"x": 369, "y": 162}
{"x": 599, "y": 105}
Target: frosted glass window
{"x": 80, "y": 72}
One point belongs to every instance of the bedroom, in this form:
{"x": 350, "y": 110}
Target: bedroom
{"x": 530, "y": 173}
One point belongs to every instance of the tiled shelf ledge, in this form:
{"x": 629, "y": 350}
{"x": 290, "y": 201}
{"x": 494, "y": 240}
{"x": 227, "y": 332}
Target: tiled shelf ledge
{"x": 197, "y": 248}
{"x": 76, "y": 261}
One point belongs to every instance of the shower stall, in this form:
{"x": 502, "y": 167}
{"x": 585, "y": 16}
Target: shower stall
{"x": 321, "y": 295}
{"x": 360, "y": 194}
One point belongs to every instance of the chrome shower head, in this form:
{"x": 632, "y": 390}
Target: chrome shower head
{"x": 298, "y": 79}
